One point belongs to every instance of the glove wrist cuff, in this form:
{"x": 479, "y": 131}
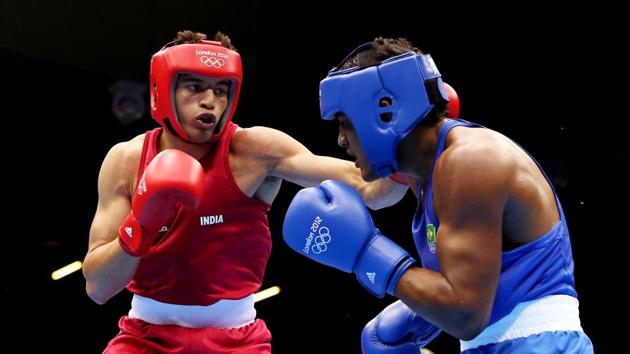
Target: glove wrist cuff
{"x": 380, "y": 262}
{"x": 130, "y": 236}
{"x": 400, "y": 270}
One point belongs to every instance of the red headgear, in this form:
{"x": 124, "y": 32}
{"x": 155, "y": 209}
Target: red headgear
{"x": 206, "y": 58}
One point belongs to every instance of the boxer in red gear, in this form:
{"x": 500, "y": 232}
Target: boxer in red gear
{"x": 191, "y": 239}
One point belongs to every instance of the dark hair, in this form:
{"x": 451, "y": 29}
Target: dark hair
{"x": 187, "y": 37}
{"x": 381, "y": 49}
{"x": 385, "y": 48}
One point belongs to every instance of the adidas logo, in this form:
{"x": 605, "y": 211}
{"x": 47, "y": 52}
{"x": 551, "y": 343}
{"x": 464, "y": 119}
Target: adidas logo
{"x": 129, "y": 231}
{"x": 371, "y": 276}
{"x": 142, "y": 186}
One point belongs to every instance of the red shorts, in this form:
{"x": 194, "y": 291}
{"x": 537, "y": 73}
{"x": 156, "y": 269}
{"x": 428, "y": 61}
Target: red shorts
{"x": 137, "y": 336}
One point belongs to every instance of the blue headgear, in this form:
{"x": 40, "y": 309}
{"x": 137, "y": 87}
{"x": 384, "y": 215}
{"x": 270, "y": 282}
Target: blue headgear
{"x": 410, "y": 81}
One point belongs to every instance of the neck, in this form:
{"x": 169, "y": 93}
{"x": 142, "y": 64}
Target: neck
{"x": 417, "y": 150}
{"x": 169, "y": 141}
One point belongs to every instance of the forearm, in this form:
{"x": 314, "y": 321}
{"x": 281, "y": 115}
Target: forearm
{"x": 378, "y": 194}
{"x": 107, "y": 270}
{"x": 433, "y": 297}
{"x": 308, "y": 170}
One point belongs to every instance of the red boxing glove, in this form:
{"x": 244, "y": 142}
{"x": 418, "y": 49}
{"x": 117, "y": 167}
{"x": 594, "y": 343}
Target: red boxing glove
{"x": 172, "y": 181}
{"x": 453, "y": 105}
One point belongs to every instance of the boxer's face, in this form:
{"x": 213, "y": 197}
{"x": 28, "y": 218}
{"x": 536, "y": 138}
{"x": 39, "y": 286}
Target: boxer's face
{"x": 200, "y": 103}
{"x": 349, "y": 140}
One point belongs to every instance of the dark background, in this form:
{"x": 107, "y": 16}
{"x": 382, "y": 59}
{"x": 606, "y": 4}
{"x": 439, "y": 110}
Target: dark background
{"x": 544, "y": 76}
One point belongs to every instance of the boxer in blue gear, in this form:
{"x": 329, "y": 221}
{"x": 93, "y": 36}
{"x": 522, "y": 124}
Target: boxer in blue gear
{"x": 497, "y": 265}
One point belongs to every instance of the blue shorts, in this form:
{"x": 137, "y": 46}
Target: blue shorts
{"x": 543, "y": 326}
{"x": 547, "y": 342}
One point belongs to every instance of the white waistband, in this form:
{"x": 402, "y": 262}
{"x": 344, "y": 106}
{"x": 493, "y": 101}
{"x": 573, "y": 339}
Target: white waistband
{"x": 550, "y": 313}
{"x": 222, "y": 314}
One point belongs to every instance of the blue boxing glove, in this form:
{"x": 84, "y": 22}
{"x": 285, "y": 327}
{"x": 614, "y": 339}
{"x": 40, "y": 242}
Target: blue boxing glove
{"x": 331, "y": 225}
{"x": 397, "y": 330}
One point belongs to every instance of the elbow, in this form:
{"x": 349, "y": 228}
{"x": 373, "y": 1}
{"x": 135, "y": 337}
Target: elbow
{"x": 371, "y": 201}
{"x": 98, "y": 300}
{"x": 97, "y": 296}
{"x": 470, "y": 325}
{"x": 95, "y": 292}
{"x": 471, "y": 331}
{"x": 365, "y": 196}
{"x": 376, "y": 205}
{"x": 379, "y": 198}
{"x": 372, "y": 204}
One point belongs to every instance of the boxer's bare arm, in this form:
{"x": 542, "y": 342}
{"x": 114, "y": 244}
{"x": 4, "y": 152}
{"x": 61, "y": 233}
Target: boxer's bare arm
{"x": 107, "y": 268}
{"x": 290, "y": 160}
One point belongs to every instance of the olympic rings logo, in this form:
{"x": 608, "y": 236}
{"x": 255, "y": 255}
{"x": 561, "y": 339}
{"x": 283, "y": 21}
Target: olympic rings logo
{"x": 212, "y": 62}
{"x": 321, "y": 240}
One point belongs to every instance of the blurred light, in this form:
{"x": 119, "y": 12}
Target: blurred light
{"x": 70, "y": 268}
{"x": 269, "y": 292}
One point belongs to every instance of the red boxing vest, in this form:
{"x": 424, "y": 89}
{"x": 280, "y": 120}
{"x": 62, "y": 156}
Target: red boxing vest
{"x": 219, "y": 251}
